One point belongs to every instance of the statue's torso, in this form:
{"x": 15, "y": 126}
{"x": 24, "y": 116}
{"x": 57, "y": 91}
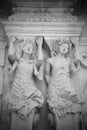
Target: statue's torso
{"x": 60, "y": 84}
{"x": 61, "y": 75}
{"x": 24, "y": 77}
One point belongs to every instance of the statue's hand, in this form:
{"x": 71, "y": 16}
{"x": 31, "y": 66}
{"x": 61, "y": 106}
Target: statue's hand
{"x": 39, "y": 40}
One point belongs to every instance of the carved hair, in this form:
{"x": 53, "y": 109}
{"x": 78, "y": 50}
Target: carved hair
{"x": 59, "y": 43}
{"x": 18, "y": 50}
{"x": 55, "y": 48}
{"x": 69, "y": 43}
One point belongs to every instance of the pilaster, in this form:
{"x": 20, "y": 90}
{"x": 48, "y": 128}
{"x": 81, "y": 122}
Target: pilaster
{"x": 2, "y": 63}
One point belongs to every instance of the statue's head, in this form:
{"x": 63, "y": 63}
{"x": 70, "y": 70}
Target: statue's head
{"x": 30, "y": 47}
{"x": 65, "y": 47}
{"x": 62, "y": 46}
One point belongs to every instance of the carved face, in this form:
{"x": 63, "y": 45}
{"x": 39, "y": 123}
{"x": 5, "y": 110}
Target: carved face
{"x": 64, "y": 48}
{"x": 28, "y": 48}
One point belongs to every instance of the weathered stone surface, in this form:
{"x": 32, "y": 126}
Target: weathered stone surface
{"x": 42, "y": 3}
{"x": 1, "y": 81}
{"x": 39, "y": 9}
{"x": 43, "y": 15}
{"x": 43, "y": 18}
{"x": 43, "y": 26}
{"x": 2, "y": 59}
{"x": 83, "y": 41}
{"x": 2, "y": 56}
{"x": 83, "y": 45}
{"x": 2, "y": 32}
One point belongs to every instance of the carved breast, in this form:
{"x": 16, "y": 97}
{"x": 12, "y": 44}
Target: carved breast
{"x": 25, "y": 69}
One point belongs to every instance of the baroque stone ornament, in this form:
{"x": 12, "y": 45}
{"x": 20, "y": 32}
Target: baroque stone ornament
{"x": 43, "y": 16}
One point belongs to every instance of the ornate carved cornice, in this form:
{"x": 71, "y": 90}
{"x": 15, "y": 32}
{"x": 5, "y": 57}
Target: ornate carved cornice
{"x": 52, "y": 29}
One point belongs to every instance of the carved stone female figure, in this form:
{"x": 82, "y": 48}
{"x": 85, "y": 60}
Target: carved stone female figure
{"x": 62, "y": 96}
{"x": 24, "y": 97}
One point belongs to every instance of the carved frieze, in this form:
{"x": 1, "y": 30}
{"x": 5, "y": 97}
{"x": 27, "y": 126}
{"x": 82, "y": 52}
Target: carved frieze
{"x": 41, "y": 15}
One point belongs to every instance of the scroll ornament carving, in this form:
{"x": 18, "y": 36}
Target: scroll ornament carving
{"x": 24, "y": 96}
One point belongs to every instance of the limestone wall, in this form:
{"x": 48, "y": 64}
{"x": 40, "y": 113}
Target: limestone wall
{"x": 2, "y": 56}
{"x": 3, "y": 43}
